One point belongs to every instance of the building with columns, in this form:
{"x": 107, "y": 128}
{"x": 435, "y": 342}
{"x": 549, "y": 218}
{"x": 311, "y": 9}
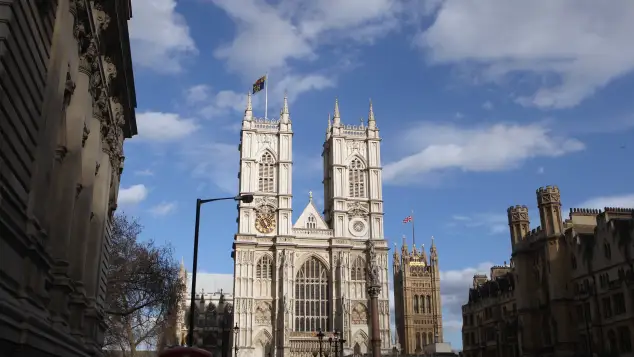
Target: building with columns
{"x": 569, "y": 290}
{"x": 67, "y": 103}
{"x": 294, "y": 279}
{"x": 417, "y": 302}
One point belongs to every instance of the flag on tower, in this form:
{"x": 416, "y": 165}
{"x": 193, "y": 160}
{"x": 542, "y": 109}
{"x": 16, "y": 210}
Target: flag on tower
{"x": 408, "y": 219}
{"x": 259, "y": 84}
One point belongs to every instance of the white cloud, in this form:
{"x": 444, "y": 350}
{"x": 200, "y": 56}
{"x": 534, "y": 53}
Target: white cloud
{"x": 146, "y": 172}
{"x": 163, "y": 208}
{"x": 454, "y": 290}
{"x": 158, "y": 126}
{"x": 487, "y": 105}
{"x": 619, "y": 201}
{"x": 160, "y": 36}
{"x": 211, "y": 282}
{"x": 132, "y": 195}
{"x": 197, "y": 94}
{"x": 295, "y": 29}
{"x": 575, "y": 47}
{"x": 438, "y": 148}
{"x": 494, "y": 223}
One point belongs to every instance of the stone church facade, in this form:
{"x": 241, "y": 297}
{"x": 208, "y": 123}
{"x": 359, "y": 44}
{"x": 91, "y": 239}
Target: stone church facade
{"x": 292, "y": 280}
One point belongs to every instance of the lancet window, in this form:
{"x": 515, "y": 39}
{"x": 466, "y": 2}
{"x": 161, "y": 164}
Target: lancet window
{"x": 357, "y": 178}
{"x": 312, "y": 222}
{"x": 264, "y": 269}
{"x": 428, "y": 304}
{"x": 357, "y": 273}
{"x": 416, "y": 306}
{"x": 422, "y": 304}
{"x": 266, "y": 178}
{"x": 312, "y": 304}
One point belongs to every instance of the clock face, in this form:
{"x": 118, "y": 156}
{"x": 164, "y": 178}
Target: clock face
{"x": 265, "y": 221}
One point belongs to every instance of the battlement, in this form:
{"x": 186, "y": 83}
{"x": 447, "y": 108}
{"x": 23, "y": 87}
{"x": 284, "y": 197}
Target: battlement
{"x": 266, "y": 124}
{"x": 618, "y": 210}
{"x": 584, "y": 212}
{"x": 548, "y": 195}
{"x": 518, "y": 213}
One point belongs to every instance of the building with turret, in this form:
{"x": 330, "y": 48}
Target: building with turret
{"x": 293, "y": 279}
{"x": 417, "y": 298}
{"x": 568, "y": 290}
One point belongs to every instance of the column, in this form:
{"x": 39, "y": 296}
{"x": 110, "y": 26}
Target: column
{"x": 374, "y": 290}
{"x": 65, "y": 194}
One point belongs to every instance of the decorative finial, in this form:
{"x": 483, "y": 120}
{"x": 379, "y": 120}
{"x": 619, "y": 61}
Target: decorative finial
{"x": 371, "y": 122}
{"x": 310, "y": 196}
{"x": 285, "y": 107}
{"x": 249, "y": 104}
{"x": 337, "y": 115}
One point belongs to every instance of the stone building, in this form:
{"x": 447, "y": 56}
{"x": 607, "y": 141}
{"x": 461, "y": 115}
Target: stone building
{"x": 417, "y": 299}
{"x": 570, "y": 285}
{"x": 292, "y": 280}
{"x": 67, "y": 103}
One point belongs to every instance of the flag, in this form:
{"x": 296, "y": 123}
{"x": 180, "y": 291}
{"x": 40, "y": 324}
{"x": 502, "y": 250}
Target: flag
{"x": 259, "y": 84}
{"x": 407, "y": 219}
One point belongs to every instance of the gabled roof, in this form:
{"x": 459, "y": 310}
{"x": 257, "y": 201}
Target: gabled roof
{"x": 310, "y": 211}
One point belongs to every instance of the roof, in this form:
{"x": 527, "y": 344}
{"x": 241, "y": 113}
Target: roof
{"x": 310, "y": 211}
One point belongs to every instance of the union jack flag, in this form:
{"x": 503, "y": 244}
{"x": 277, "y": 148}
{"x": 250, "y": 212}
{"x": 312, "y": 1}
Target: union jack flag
{"x": 407, "y": 219}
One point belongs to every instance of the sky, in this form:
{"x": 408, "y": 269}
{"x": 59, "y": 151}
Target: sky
{"x": 479, "y": 103}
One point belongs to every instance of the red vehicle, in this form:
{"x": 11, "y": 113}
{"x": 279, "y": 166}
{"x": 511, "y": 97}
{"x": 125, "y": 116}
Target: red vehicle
{"x": 185, "y": 352}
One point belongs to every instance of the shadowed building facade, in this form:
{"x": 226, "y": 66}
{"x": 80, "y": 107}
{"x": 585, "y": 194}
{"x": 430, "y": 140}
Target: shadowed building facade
{"x": 570, "y": 286}
{"x": 67, "y": 104}
{"x": 417, "y": 298}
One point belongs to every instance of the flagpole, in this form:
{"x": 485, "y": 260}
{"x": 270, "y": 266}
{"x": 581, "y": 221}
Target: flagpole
{"x": 413, "y": 236}
{"x": 266, "y": 96}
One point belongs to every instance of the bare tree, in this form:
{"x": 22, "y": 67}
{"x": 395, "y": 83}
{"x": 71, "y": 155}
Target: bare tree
{"x": 144, "y": 289}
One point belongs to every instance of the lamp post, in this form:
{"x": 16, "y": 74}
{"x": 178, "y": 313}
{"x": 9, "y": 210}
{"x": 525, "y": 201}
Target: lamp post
{"x": 236, "y": 329}
{"x": 320, "y": 336}
{"x": 335, "y": 341}
{"x": 200, "y": 202}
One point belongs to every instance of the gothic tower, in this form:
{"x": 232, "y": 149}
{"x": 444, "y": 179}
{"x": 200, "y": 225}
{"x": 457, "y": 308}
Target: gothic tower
{"x": 417, "y": 298}
{"x": 292, "y": 280}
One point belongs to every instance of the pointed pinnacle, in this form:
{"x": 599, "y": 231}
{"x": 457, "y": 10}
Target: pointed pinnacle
{"x": 285, "y": 107}
{"x": 371, "y": 113}
{"x": 249, "y": 104}
{"x": 337, "y": 115}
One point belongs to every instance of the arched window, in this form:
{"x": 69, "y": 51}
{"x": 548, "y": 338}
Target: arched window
{"x": 266, "y": 180}
{"x": 312, "y": 303}
{"x": 422, "y": 304}
{"x": 264, "y": 269}
{"x": 425, "y": 343}
{"x": 428, "y": 304}
{"x": 356, "y": 178}
{"x": 416, "y": 304}
{"x": 612, "y": 346}
{"x": 418, "y": 341}
{"x": 430, "y": 338}
{"x": 312, "y": 222}
{"x": 357, "y": 273}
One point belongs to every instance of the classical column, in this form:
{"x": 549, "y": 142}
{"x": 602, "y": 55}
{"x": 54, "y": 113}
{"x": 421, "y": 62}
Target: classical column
{"x": 68, "y": 185}
{"x": 374, "y": 290}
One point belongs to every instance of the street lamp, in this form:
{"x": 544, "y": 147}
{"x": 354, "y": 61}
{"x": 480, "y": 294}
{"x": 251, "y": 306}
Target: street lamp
{"x": 320, "y": 336}
{"x": 236, "y": 329}
{"x": 335, "y": 342}
{"x": 199, "y": 202}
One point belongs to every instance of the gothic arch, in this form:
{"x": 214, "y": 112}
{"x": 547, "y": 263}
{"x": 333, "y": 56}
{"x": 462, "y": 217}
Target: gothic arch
{"x": 263, "y": 313}
{"x": 357, "y": 271}
{"x": 360, "y": 342}
{"x": 305, "y": 257}
{"x": 263, "y": 151}
{"x": 263, "y": 262}
{"x": 359, "y": 314}
{"x": 312, "y": 295}
{"x": 262, "y": 343}
{"x": 350, "y": 158}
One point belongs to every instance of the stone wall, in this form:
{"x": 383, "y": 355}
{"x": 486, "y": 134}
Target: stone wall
{"x": 66, "y": 105}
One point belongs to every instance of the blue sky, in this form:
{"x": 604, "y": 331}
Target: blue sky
{"x": 479, "y": 103}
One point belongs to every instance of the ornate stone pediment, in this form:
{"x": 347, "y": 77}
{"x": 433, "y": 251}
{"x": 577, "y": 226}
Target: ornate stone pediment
{"x": 358, "y": 209}
{"x": 266, "y": 201}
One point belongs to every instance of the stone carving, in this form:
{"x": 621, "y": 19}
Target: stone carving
{"x": 117, "y": 112}
{"x": 69, "y": 89}
{"x": 110, "y": 70}
{"x": 87, "y": 56}
{"x": 359, "y": 314}
{"x": 266, "y": 201}
{"x": 60, "y": 153}
{"x": 100, "y": 108}
{"x": 97, "y": 168}
{"x": 263, "y": 314}
{"x": 287, "y": 306}
{"x": 373, "y": 267}
{"x": 102, "y": 20}
{"x": 78, "y": 190}
{"x": 85, "y": 135}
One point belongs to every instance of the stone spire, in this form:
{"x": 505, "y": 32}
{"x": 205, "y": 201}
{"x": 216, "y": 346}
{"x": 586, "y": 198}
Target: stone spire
{"x": 371, "y": 121}
{"x": 248, "y": 113}
{"x": 432, "y": 251}
{"x": 337, "y": 116}
{"x": 284, "y": 115}
{"x": 329, "y": 128}
{"x": 423, "y": 254}
{"x": 404, "y": 249}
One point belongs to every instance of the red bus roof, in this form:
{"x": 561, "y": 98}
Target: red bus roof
{"x": 185, "y": 352}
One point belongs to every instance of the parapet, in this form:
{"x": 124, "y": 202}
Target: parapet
{"x": 618, "y": 210}
{"x": 584, "y": 212}
{"x": 518, "y": 213}
{"x": 548, "y": 195}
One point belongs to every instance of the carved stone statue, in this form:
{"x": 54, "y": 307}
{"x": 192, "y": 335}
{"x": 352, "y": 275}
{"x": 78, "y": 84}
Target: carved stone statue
{"x": 287, "y": 306}
{"x": 373, "y": 268}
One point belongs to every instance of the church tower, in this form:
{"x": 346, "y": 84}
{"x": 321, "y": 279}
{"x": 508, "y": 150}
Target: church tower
{"x": 293, "y": 280}
{"x": 417, "y": 300}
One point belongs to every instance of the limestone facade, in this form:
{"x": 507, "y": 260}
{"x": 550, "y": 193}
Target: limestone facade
{"x": 292, "y": 280}
{"x": 417, "y": 301}
{"x": 571, "y": 289}
{"x": 67, "y": 104}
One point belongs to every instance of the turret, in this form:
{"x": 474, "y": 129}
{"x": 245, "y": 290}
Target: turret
{"x": 337, "y": 116}
{"x": 396, "y": 260}
{"x": 284, "y": 114}
{"x": 371, "y": 121}
{"x": 549, "y": 205}
{"x": 404, "y": 250}
{"x": 248, "y": 112}
{"x": 433, "y": 253}
{"x": 519, "y": 223}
